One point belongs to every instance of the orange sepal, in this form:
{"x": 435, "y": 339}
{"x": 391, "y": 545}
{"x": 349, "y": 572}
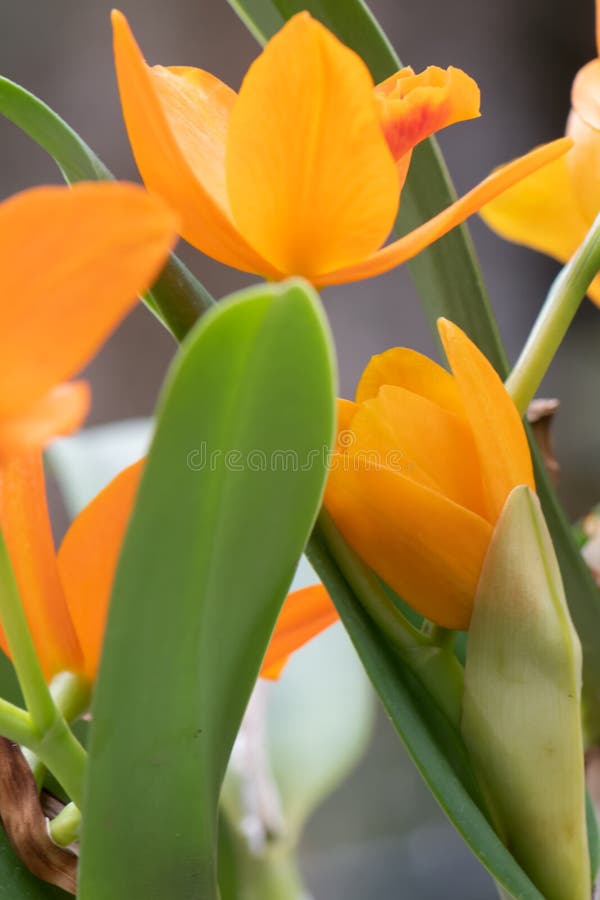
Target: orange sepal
{"x": 499, "y": 434}
{"x": 408, "y": 246}
{"x": 176, "y": 121}
{"x": 88, "y": 558}
{"x": 425, "y": 547}
{"x": 304, "y": 614}
{"x": 73, "y": 262}
{"x": 412, "y": 107}
{"x": 410, "y": 433}
{"x": 311, "y": 180}
{"x": 26, "y": 527}
{"x": 406, "y": 368}
{"x": 59, "y": 413}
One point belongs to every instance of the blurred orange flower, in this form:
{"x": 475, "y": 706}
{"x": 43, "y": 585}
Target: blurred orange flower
{"x": 73, "y": 262}
{"x": 301, "y": 172}
{"x": 87, "y": 563}
{"x": 553, "y": 209}
{"x": 424, "y": 463}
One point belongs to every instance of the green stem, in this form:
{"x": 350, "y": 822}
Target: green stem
{"x": 22, "y": 650}
{"x": 71, "y": 694}
{"x": 15, "y": 723}
{"x": 49, "y": 736}
{"x": 273, "y": 876}
{"x": 64, "y": 828}
{"x": 60, "y": 751}
{"x": 557, "y": 313}
{"x": 435, "y": 666}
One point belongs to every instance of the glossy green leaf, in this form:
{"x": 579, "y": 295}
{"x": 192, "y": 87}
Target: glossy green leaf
{"x": 221, "y": 519}
{"x": 177, "y": 297}
{"x": 426, "y": 735}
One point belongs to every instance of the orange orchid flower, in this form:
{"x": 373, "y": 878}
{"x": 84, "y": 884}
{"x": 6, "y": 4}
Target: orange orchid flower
{"x": 300, "y": 173}
{"x": 553, "y": 209}
{"x": 424, "y": 463}
{"x": 87, "y": 563}
{"x": 73, "y": 262}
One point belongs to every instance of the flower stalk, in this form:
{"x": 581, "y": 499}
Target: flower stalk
{"x": 435, "y": 666}
{"x": 48, "y": 735}
{"x": 556, "y": 315}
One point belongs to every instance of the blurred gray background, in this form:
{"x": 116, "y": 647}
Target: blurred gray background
{"x": 381, "y": 836}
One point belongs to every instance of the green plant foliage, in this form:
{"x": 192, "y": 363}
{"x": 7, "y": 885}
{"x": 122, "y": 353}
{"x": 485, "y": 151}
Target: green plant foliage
{"x": 209, "y": 555}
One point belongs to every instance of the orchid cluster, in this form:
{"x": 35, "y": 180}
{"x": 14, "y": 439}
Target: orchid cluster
{"x": 139, "y": 755}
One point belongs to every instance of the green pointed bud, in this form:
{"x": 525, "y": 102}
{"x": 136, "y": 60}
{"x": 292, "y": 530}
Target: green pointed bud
{"x": 521, "y": 712}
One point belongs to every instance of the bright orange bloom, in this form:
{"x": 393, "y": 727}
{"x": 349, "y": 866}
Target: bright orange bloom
{"x": 73, "y": 261}
{"x": 299, "y": 173}
{"x": 424, "y": 462}
{"x": 552, "y": 210}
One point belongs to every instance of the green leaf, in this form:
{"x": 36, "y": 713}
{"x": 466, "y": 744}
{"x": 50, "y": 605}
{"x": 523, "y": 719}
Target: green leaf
{"x": 220, "y": 522}
{"x": 177, "y": 298}
{"x": 426, "y": 735}
{"x": 593, "y": 835}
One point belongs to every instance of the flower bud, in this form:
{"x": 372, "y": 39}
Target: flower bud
{"x": 521, "y": 711}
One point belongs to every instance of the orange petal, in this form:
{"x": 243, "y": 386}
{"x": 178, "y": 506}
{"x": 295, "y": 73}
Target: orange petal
{"x": 345, "y": 437}
{"x": 540, "y": 212}
{"x": 311, "y": 181}
{"x": 58, "y": 413}
{"x": 177, "y": 121}
{"x": 305, "y": 614}
{"x": 424, "y": 546}
{"x": 26, "y": 527}
{"x": 88, "y": 558}
{"x": 412, "y": 107}
{"x": 407, "y": 430}
{"x": 73, "y": 261}
{"x": 408, "y": 369}
{"x": 406, "y": 247}
{"x": 497, "y": 428}
{"x": 583, "y": 162}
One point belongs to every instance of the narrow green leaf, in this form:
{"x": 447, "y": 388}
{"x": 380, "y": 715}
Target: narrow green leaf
{"x": 221, "y": 518}
{"x": 593, "y": 835}
{"x": 450, "y": 284}
{"x": 426, "y": 736}
{"x": 177, "y": 297}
